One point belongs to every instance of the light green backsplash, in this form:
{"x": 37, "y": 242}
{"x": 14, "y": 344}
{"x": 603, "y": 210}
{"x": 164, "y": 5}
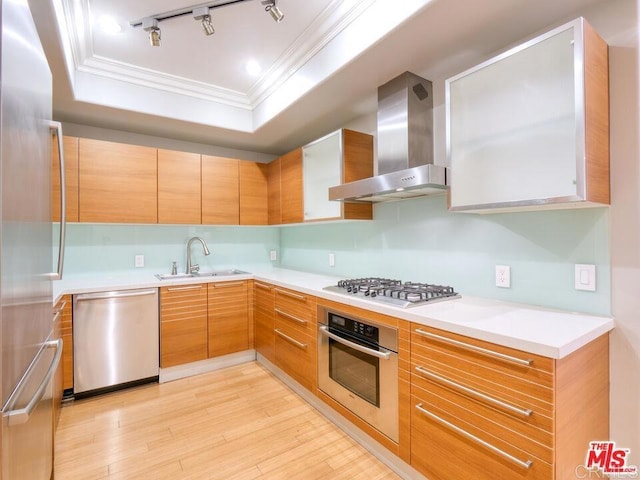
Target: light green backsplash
{"x": 419, "y": 240}
{"x": 104, "y": 248}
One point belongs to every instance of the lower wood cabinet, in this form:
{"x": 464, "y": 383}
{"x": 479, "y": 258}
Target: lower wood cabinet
{"x": 263, "y": 314}
{"x": 183, "y": 324}
{"x": 62, "y": 307}
{"x": 228, "y": 317}
{"x": 65, "y": 307}
{"x": 487, "y": 411}
{"x": 295, "y": 331}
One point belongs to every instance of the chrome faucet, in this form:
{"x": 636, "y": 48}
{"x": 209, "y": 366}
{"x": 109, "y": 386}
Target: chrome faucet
{"x": 195, "y": 268}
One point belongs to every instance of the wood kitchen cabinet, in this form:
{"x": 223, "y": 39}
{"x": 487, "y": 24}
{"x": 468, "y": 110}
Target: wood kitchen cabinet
{"x": 61, "y": 317}
{"x": 529, "y": 129}
{"x": 70, "y": 150}
{"x": 220, "y": 191}
{"x": 118, "y": 183}
{"x": 340, "y": 157}
{"x": 296, "y": 336}
{"x": 64, "y": 307}
{"x": 179, "y": 188}
{"x": 274, "y": 214}
{"x": 254, "y": 208}
{"x": 228, "y": 318}
{"x": 183, "y": 324}
{"x": 291, "y": 201}
{"x": 263, "y": 308}
{"x": 507, "y": 413}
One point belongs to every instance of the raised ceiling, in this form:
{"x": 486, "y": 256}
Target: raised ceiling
{"x": 320, "y": 65}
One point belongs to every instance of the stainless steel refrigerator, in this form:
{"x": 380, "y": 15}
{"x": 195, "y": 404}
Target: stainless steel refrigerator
{"x": 29, "y": 353}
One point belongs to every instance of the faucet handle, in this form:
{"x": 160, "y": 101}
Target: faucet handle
{"x": 195, "y": 268}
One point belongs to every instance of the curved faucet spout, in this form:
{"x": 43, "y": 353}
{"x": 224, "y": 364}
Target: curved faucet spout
{"x": 194, "y": 268}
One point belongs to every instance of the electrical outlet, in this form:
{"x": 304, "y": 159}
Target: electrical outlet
{"x": 332, "y": 259}
{"x": 273, "y": 255}
{"x": 503, "y": 276}
{"x": 139, "y": 261}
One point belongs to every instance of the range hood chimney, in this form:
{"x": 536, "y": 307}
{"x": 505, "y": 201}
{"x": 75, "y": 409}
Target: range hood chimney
{"x": 405, "y": 146}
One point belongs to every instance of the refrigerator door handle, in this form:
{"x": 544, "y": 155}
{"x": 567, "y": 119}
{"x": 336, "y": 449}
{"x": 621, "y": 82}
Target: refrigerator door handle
{"x": 56, "y": 129}
{"x": 21, "y": 415}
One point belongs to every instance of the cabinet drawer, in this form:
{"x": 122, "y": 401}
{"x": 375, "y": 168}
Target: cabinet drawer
{"x": 463, "y": 450}
{"x": 512, "y": 389}
{"x": 302, "y": 322}
{"x": 517, "y": 429}
{"x": 295, "y": 354}
{"x": 478, "y": 356}
{"x": 294, "y": 303}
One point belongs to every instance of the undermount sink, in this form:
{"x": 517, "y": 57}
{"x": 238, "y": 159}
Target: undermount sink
{"x": 215, "y": 273}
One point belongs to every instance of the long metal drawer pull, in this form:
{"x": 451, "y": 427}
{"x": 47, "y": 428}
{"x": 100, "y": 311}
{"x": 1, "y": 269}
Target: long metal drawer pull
{"x": 17, "y": 417}
{"x": 470, "y": 391}
{"x": 473, "y": 438}
{"x": 301, "y": 321}
{"x": 105, "y": 296}
{"x": 468, "y": 346}
{"x": 292, "y": 295}
{"x": 227, "y": 284}
{"x": 59, "y": 310}
{"x": 183, "y": 289}
{"x": 262, "y": 285}
{"x": 325, "y": 331}
{"x": 291, "y": 340}
{"x": 56, "y": 316}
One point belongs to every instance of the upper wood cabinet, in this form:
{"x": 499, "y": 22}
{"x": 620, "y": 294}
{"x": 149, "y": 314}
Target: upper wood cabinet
{"x": 273, "y": 192}
{"x": 253, "y": 193}
{"x": 529, "y": 129}
{"x": 70, "y": 149}
{"x": 179, "y": 188}
{"x": 291, "y": 201}
{"x": 220, "y": 191}
{"x": 118, "y": 182}
{"x": 340, "y": 157}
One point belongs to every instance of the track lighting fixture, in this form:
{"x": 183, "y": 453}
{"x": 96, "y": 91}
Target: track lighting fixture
{"x": 201, "y": 12}
{"x": 204, "y": 16}
{"x": 271, "y": 7}
{"x": 150, "y": 25}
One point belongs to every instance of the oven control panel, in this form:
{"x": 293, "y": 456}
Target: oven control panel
{"x": 354, "y": 327}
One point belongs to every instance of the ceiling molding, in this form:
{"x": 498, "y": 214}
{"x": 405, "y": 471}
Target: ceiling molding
{"x": 335, "y": 17}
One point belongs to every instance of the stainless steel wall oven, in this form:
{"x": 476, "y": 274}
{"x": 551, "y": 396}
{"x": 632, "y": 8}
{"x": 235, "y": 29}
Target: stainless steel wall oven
{"x": 358, "y": 367}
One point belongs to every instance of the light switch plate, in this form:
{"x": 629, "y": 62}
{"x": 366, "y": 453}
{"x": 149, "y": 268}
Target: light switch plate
{"x": 332, "y": 259}
{"x": 139, "y": 261}
{"x": 585, "y": 277}
{"x": 273, "y": 255}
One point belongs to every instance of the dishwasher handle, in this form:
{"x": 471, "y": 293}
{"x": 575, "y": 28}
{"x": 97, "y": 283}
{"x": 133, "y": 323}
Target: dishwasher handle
{"x": 110, "y": 295}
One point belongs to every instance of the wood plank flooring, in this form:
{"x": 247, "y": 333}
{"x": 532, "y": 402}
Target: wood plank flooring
{"x": 240, "y": 423}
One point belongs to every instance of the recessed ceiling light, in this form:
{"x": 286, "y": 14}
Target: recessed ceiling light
{"x": 109, "y": 25}
{"x": 253, "y": 68}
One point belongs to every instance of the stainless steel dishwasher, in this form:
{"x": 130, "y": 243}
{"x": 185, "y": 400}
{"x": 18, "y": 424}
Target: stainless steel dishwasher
{"x": 115, "y": 340}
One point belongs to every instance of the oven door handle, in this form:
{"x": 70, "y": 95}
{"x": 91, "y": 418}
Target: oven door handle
{"x": 325, "y": 331}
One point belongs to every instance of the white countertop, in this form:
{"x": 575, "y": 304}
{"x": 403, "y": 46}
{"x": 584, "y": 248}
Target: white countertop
{"x": 543, "y": 331}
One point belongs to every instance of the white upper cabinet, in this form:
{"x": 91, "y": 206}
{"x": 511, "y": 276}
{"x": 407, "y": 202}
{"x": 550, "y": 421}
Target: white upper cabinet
{"x": 340, "y": 157}
{"x": 529, "y": 129}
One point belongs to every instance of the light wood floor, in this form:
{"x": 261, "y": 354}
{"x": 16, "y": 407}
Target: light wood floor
{"x": 232, "y": 424}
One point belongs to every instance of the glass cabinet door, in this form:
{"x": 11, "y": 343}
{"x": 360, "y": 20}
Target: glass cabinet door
{"x": 515, "y": 126}
{"x": 321, "y": 169}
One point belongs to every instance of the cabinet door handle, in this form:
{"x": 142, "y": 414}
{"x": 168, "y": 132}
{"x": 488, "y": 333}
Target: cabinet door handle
{"x": 262, "y": 285}
{"x": 302, "y": 298}
{"x": 227, "y": 284}
{"x": 473, "y": 438}
{"x": 182, "y": 289}
{"x": 525, "y": 412}
{"x": 474, "y": 348}
{"x": 301, "y": 321}
{"x": 293, "y": 341}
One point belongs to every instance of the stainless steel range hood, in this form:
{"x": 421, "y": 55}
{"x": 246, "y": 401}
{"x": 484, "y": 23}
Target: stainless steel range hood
{"x": 405, "y": 146}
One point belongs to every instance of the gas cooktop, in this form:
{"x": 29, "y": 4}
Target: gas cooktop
{"x": 394, "y": 292}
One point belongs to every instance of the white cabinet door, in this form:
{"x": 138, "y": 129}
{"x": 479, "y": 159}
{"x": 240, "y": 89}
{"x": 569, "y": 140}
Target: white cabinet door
{"x": 321, "y": 169}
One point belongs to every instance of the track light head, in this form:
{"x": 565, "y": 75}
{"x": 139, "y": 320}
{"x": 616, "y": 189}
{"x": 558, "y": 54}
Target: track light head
{"x": 271, "y": 7}
{"x": 150, "y": 25}
{"x": 203, "y": 14}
